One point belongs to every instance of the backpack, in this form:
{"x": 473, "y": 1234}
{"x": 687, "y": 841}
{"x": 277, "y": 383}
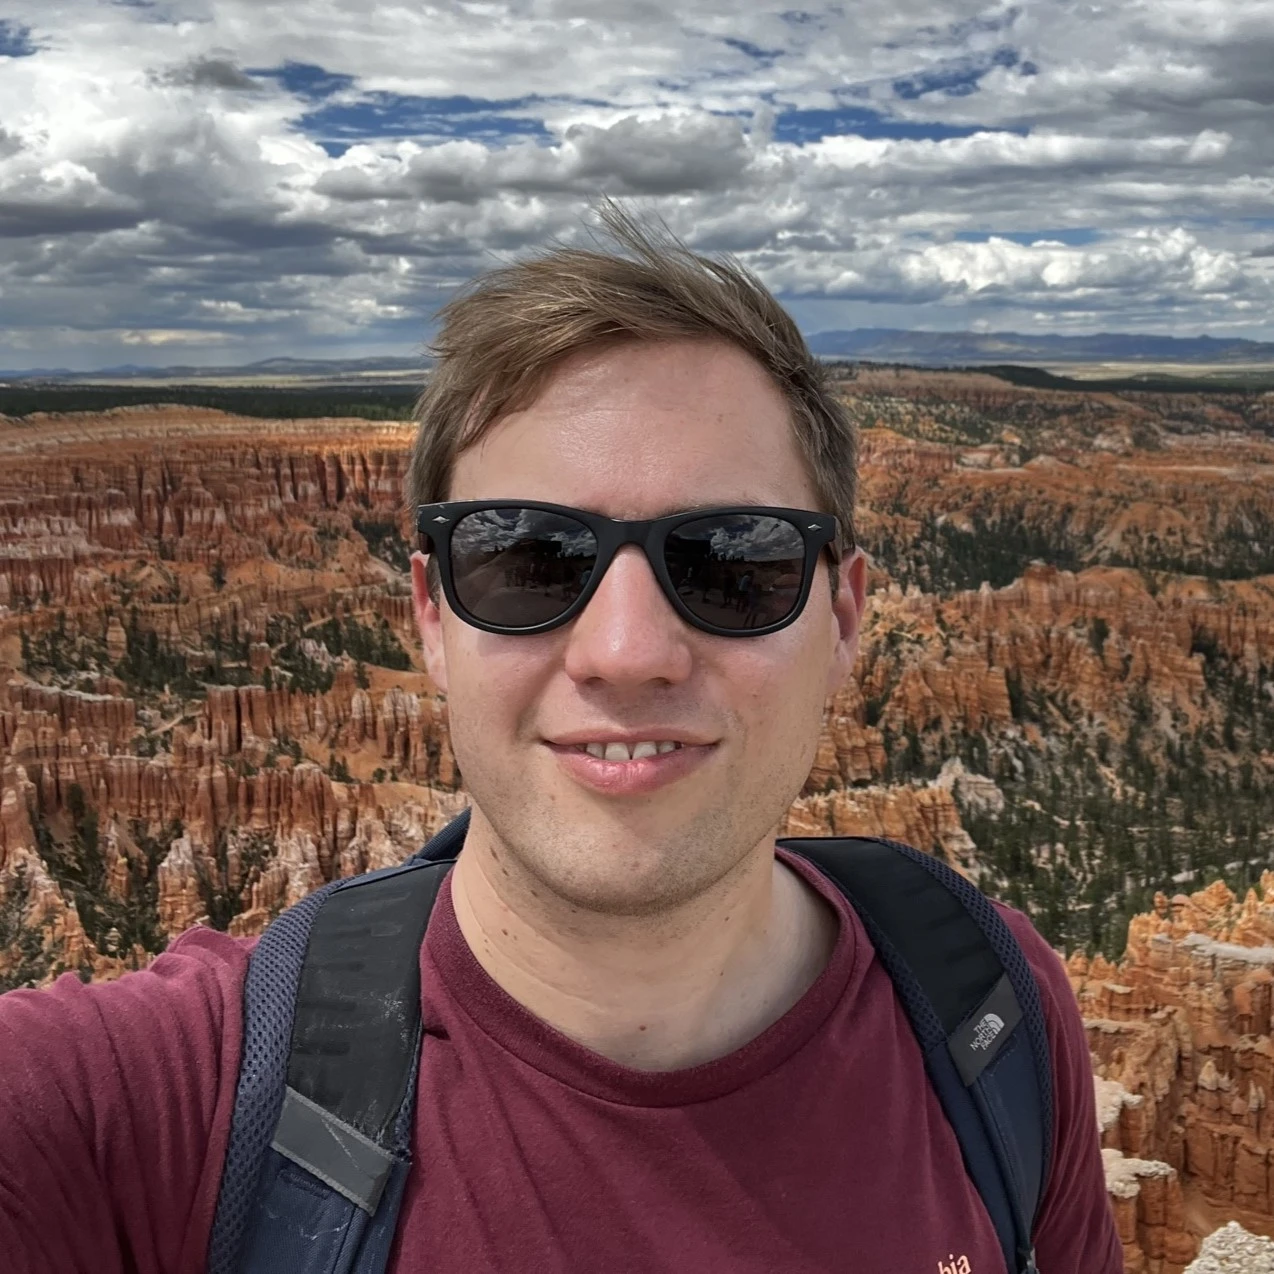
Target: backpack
{"x": 320, "y": 1144}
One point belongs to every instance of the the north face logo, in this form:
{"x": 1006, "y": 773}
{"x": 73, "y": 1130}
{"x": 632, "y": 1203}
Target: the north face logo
{"x": 986, "y": 1031}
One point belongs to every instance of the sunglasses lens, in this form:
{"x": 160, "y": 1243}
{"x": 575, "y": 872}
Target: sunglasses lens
{"x": 737, "y": 570}
{"x": 517, "y": 568}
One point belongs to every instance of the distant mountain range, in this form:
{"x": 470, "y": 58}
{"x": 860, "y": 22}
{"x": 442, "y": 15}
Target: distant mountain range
{"x": 891, "y": 345}
{"x": 866, "y": 344}
{"x": 282, "y": 368}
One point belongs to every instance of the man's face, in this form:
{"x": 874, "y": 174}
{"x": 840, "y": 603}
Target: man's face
{"x": 635, "y": 431}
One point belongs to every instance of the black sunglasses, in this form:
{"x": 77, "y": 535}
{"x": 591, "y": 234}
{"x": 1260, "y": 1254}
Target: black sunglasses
{"x": 519, "y": 566}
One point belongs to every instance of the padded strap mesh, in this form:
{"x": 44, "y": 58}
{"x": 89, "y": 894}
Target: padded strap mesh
{"x": 269, "y": 1001}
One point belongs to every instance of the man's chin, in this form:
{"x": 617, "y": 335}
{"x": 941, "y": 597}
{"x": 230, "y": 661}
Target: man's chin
{"x": 631, "y": 862}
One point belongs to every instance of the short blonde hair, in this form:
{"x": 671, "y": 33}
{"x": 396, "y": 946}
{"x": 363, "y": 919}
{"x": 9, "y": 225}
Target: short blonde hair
{"x": 503, "y": 335}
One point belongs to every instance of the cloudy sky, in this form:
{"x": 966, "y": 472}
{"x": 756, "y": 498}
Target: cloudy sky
{"x": 215, "y": 181}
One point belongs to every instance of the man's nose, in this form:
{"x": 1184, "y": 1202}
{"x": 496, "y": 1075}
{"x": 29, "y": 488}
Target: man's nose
{"x": 629, "y": 634}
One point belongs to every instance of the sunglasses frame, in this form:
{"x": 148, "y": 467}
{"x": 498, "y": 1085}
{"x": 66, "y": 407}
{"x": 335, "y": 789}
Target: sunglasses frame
{"x": 435, "y": 522}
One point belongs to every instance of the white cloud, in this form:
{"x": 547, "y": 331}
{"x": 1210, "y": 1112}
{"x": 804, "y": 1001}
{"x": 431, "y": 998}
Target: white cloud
{"x": 160, "y": 337}
{"x": 1154, "y": 265}
{"x": 152, "y": 180}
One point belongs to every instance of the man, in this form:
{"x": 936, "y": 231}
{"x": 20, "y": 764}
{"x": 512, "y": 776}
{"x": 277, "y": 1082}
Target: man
{"x": 652, "y": 1042}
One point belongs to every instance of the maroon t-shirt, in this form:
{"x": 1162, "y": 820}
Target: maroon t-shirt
{"x": 818, "y": 1147}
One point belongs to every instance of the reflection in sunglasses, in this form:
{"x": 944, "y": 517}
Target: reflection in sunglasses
{"x": 755, "y": 538}
{"x": 498, "y": 530}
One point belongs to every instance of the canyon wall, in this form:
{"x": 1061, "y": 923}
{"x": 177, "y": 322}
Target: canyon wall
{"x": 211, "y": 702}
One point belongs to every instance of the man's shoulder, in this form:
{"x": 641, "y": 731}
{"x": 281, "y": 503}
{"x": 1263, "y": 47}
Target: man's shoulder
{"x": 196, "y": 961}
{"x": 212, "y": 949}
{"x": 1061, "y": 1009}
{"x": 1046, "y": 963}
{"x": 202, "y": 971}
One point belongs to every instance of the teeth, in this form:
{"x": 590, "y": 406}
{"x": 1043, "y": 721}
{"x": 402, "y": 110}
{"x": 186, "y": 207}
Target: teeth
{"x": 621, "y": 751}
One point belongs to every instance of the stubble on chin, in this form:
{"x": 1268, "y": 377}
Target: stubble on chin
{"x": 559, "y": 851}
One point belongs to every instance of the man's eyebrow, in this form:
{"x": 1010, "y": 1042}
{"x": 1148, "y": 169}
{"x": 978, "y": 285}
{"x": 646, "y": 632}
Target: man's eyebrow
{"x": 697, "y": 506}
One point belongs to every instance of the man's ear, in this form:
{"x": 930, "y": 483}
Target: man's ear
{"x": 428, "y": 622}
{"x": 847, "y": 613}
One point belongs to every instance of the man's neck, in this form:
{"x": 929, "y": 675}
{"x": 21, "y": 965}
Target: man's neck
{"x": 658, "y": 993}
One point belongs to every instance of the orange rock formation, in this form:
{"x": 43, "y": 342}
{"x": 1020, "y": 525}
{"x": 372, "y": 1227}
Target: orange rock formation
{"x": 1180, "y": 1032}
{"x": 258, "y": 763}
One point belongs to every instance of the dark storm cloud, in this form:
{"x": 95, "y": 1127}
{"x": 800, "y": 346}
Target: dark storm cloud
{"x": 22, "y": 220}
{"x": 216, "y": 73}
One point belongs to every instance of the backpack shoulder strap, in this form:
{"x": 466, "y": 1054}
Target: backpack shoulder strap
{"x": 320, "y": 1140}
{"x": 974, "y": 1005}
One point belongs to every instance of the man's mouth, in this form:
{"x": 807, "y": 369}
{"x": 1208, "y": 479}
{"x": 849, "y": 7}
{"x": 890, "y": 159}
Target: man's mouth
{"x": 617, "y": 767}
{"x": 627, "y": 752}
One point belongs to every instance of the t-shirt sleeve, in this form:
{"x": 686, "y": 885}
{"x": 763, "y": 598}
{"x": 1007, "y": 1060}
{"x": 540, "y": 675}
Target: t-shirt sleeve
{"x": 115, "y": 1103}
{"x": 1075, "y": 1230}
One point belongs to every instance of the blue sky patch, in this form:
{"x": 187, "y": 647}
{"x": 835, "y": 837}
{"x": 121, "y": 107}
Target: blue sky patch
{"x": 957, "y": 77}
{"x": 765, "y": 56}
{"x": 15, "y": 41}
{"x": 806, "y": 126}
{"x": 1075, "y": 238}
{"x": 360, "y": 116}
{"x": 376, "y": 115}
{"x": 313, "y": 83}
